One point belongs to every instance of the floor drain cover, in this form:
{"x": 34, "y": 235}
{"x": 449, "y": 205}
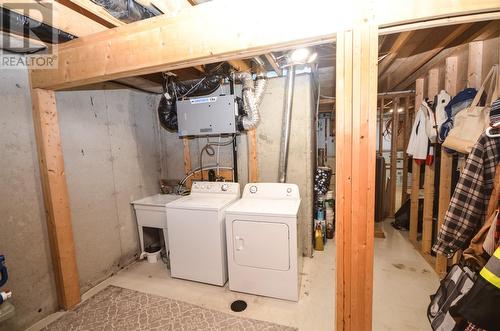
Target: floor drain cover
{"x": 238, "y": 305}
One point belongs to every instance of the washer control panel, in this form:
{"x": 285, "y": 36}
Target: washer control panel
{"x": 271, "y": 191}
{"x": 215, "y": 187}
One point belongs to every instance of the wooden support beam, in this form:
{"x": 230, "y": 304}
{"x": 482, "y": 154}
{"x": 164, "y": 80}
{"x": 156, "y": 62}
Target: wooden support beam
{"x": 440, "y": 57}
{"x": 93, "y": 11}
{"x": 475, "y": 64}
{"x": 445, "y": 173}
{"x": 187, "y": 160}
{"x": 427, "y": 224}
{"x": 327, "y": 101}
{"x": 406, "y": 136}
{"x": 415, "y": 181}
{"x": 272, "y": 61}
{"x": 57, "y": 15}
{"x": 409, "y": 67}
{"x": 253, "y": 164}
{"x": 394, "y": 156}
{"x": 356, "y": 95}
{"x": 401, "y": 40}
{"x": 55, "y": 194}
{"x": 239, "y": 65}
{"x": 381, "y": 128}
{"x": 151, "y": 40}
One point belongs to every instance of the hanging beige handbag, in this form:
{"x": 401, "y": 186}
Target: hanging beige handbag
{"x": 471, "y": 122}
{"x": 474, "y": 255}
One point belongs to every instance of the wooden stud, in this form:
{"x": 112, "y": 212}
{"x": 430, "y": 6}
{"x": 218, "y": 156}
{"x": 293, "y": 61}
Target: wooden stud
{"x": 253, "y": 165}
{"x": 239, "y": 65}
{"x": 355, "y": 178}
{"x": 412, "y": 64}
{"x": 406, "y": 136}
{"x": 272, "y": 61}
{"x": 56, "y": 199}
{"x": 475, "y": 64}
{"x": 381, "y": 128}
{"x": 440, "y": 58}
{"x": 394, "y": 154}
{"x": 445, "y": 173}
{"x": 427, "y": 224}
{"x": 57, "y": 15}
{"x": 187, "y": 160}
{"x": 93, "y": 11}
{"x": 401, "y": 40}
{"x": 415, "y": 181}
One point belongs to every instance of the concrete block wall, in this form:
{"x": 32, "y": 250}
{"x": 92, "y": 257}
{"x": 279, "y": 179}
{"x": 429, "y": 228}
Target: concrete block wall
{"x": 110, "y": 140}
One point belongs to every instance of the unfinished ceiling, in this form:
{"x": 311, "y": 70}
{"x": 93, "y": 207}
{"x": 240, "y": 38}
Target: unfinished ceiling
{"x": 402, "y": 56}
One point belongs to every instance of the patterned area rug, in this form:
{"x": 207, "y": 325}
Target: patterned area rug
{"x": 116, "y": 308}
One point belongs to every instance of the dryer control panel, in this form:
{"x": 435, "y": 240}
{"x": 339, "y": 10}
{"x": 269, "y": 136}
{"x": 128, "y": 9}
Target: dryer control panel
{"x": 215, "y": 187}
{"x": 271, "y": 191}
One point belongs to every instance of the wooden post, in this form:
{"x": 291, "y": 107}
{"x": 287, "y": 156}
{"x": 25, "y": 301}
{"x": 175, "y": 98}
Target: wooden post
{"x": 356, "y": 102}
{"x": 394, "y": 155}
{"x": 187, "y": 160}
{"x": 381, "y": 128}
{"x": 55, "y": 194}
{"x": 415, "y": 177}
{"x": 253, "y": 165}
{"x": 474, "y": 79}
{"x": 475, "y": 64}
{"x": 406, "y": 136}
{"x": 427, "y": 224}
{"x": 445, "y": 173}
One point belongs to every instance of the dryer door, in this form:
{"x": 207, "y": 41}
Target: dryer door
{"x": 261, "y": 244}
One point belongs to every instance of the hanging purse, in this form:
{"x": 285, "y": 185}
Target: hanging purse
{"x": 470, "y": 123}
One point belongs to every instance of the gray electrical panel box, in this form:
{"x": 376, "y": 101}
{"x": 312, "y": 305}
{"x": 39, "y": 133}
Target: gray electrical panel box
{"x": 208, "y": 115}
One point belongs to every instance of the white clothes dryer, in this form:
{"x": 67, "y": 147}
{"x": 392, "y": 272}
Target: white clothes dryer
{"x": 261, "y": 231}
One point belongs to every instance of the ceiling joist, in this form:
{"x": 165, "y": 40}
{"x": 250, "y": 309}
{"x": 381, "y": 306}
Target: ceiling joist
{"x": 124, "y": 51}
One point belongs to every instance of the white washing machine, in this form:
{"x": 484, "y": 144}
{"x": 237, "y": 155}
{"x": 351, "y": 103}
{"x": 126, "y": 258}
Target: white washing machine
{"x": 196, "y": 232}
{"x": 261, "y": 231}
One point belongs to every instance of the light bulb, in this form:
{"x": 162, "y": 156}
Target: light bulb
{"x": 300, "y": 55}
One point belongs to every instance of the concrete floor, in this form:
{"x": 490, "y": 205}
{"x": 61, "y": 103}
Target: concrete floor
{"x": 403, "y": 283}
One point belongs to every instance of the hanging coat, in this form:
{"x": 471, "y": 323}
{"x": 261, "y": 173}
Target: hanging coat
{"x": 419, "y": 142}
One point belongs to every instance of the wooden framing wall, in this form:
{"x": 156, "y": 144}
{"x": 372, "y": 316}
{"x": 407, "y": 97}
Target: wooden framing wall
{"x": 465, "y": 67}
{"x": 415, "y": 185}
{"x": 166, "y": 43}
{"x": 406, "y": 136}
{"x": 394, "y": 156}
{"x": 356, "y": 109}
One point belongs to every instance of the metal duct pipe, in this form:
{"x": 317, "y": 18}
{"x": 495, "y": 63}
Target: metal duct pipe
{"x": 286, "y": 124}
{"x": 125, "y": 10}
{"x": 252, "y": 97}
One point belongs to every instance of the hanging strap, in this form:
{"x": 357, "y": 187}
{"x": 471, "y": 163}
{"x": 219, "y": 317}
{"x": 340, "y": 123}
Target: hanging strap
{"x": 491, "y": 77}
